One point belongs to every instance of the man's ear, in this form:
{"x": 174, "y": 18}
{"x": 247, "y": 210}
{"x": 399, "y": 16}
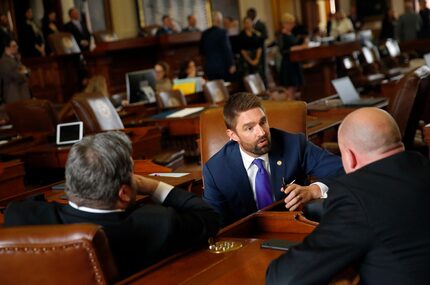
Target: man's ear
{"x": 232, "y": 135}
{"x": 125, "y": 194}
{"x": 350, "y": 160}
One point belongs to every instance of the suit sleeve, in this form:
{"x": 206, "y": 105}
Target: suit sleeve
{"x": 320, "y": 163}
{"x": 227, "y": 49}
{"x": 192, "y": 219}
{"x": 213, "y": 195}
{"x": 341, "y": 238}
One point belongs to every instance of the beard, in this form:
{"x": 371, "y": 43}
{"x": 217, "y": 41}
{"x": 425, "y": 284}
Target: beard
{"x": 265, "y": 143}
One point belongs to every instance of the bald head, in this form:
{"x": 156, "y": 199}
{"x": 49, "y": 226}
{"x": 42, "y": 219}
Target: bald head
{"x": 217, "y": 19}
{"x": 369, "y": 134}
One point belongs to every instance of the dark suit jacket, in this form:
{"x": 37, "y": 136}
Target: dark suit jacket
{"x": 226, "y": 183}
{"x": 139, "y": 236}
{"x": 13, "y": 84}
{"x": 78, "y": 35}
{"x": 216, "y": 49}
{"x": 261, "y": 28}
{"x": 377, "y": 219}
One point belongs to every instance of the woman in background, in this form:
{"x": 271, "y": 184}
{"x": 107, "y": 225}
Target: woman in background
{"x": 388, "y": 25}
{"x": 49, "y": 26}
{"x": 251, "y": 48}
{"x": 291, "y": 75}
{"x": 188, "y": 69}
{"x": 163, "y": 82}
{"x": 31, "y": 39}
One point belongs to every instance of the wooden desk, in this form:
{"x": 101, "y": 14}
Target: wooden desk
{"x": 323, "y": 65}
{"x": 246, "y": 265}
{"x": 11, "y": 178}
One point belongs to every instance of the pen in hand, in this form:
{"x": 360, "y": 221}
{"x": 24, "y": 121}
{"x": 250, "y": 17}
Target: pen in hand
{"x": 285, "y": 185}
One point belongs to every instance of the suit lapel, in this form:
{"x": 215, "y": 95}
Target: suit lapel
{"x": 240, "y": 178}
{"x": 277, "y": 168}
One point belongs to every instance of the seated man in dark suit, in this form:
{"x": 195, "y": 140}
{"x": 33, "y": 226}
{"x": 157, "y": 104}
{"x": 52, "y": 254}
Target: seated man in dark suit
{"x": 375, "y": 217}
{"x": 168, "y": 26}
{"x": 247, "y": 173}
{"x": 78, "y": 29}
{"x": 102, "y": 190}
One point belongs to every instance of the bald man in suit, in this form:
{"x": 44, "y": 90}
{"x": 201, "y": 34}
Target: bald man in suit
{"x": 375, "y": 216}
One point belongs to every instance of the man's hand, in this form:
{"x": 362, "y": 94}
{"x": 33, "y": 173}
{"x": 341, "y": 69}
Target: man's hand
{"x": 232, "y": 69}
{"x": 144, "y": 185}
{"x": 297, "y": 195}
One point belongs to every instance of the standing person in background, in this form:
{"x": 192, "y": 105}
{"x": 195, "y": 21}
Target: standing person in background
{"x": 49, "y": 26}
{"x": 261, "y": 28}
{"x": 409, "y": 24}
{"x": 192, "y": 24}
{"x": 163, "y": 82}
{"x": 78, "y": 29}
{"x": 425, "y": 19}
{"x": 13, "y": 75}
{"x": 291, "y": 75}
{"x": 216, "y": 50}
{"x": 388, "y": 25}
{"x": 251, "y": 49}
{"x": 329, "y": 25}
{"x": 31, "y": 38}
{"x": 5, "y": 34}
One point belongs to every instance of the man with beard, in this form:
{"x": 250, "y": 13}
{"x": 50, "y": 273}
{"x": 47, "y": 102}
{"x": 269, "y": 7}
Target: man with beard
{"x": 247, "y": 173}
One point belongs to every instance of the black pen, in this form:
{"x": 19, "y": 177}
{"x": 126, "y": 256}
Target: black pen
{"x": 285, "y": 185}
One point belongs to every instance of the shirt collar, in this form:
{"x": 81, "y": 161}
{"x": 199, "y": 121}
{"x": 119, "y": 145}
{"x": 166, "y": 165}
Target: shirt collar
{"x": 247, "y": 159}
{"x": 92, "y": 210}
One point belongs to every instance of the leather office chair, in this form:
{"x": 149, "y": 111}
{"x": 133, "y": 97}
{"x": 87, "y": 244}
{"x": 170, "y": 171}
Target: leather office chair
{"x": 171, "y": 99}
{"x": 98, "y": 114}
{"x": 286, "y": 115}
{"x": 255, "y": 85}
{"x": 215, "y": 91}
{"x": 32, "y": 117}
{"x": 56, "y": 254}
{"x": 351, "y": 67}
{"x": 403, "y": 101}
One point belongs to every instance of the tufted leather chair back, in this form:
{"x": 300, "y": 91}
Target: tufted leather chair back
{"x": 96, "y": 112}
{"x": 285, "y": 115}
{"x": 56, "y": 254}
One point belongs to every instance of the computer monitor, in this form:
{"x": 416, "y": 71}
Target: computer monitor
{"x": 69, "y": 133}
{"x": 140, "y": 86}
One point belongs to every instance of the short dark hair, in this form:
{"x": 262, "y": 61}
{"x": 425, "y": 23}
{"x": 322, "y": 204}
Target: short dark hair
{"x": 164, "y": 17}
{"x": 96, "y": 168}
{"x": 238, "y": 103}
{"x": 71, "y": 10}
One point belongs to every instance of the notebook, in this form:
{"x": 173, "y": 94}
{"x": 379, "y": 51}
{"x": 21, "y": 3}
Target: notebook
{"x": 69, "y": 133}
{"x": 349, "y": 95}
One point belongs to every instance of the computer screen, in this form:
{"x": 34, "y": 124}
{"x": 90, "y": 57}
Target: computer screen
{"x": 69, "y": 133}
{"x": 140, "y": 86}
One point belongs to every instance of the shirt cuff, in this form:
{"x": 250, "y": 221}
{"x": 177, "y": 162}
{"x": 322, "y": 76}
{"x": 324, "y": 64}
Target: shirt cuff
{"x": 160, "y": 194}
{"x": 323, "y": 187}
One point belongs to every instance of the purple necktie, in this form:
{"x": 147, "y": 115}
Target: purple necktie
{"x": 262, "y": 185}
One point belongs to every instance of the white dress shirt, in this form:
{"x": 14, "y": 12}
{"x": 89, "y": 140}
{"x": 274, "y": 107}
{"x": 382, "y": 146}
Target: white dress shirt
{"x": 251, "y": 170}
{"x": 159, "y": 195}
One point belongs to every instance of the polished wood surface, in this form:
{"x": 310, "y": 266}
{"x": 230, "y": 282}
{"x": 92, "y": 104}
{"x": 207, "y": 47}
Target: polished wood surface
{"x": 11, "y": 178}
{"x": 246, "y": 265}
{"x": 325, "y": 51}
{"x": 320, "y": 67}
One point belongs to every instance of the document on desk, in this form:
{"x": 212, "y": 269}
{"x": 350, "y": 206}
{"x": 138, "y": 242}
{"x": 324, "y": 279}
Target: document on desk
{"x": 169, "y": 174}
{"x": 185, "y": 112}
